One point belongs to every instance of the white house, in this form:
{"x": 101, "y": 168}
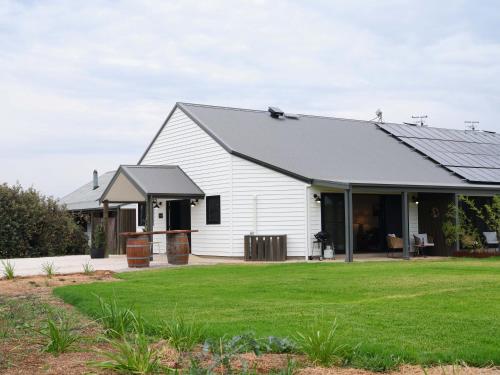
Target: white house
{"x": 230, "y": 172}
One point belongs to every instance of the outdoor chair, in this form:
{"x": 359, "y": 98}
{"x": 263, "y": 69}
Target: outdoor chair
{"x": 393, "y": 243}
{"x": 422, "y": 241}
{"x": 491, "y": 240}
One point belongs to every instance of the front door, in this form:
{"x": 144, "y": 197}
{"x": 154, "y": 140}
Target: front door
{"x": 179, "y": 215}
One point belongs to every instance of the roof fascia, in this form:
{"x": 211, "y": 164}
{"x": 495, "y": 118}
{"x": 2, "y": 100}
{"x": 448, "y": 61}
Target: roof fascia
{"x": 332, "y": 184}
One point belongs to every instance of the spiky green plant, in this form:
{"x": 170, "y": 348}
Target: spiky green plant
{"x": 60, "y": 335}
{"x": 116, "y": 320}
{"x": 49, "y": 269}
{"x": 182, "y": 335}
{"x": 88, "y": 268}
{"x": 319, "y": 343}
{"x": 131, "y": 355}
{"x": 8, "y": 269}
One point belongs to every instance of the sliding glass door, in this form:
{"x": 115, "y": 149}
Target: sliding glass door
{"x": 333, "y": 219}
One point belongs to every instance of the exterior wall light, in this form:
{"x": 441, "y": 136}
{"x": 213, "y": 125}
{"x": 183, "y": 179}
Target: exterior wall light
{"x": 194, "y": 203}
{"x": 415, "y": 200}
{"x": 317, "y": 198}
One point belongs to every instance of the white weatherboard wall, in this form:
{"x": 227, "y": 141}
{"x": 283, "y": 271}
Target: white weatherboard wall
{"x": 267, "y": 202}
{"x": 182, "y": 142}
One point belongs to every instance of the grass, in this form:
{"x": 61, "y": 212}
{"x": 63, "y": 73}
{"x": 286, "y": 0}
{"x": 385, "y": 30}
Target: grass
{"x": 425, "y": 312}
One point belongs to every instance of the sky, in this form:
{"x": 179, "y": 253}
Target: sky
{"x": 85, "y": 85}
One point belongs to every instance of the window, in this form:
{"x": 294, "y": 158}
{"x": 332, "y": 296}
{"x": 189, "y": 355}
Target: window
{"x": 213, "y": 209}
{"x": 141, "y": 214}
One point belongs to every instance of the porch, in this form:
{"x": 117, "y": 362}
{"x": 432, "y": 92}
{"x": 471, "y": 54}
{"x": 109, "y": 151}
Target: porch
{"x": 163, "y": 193}
{"x": 359, "y": 221}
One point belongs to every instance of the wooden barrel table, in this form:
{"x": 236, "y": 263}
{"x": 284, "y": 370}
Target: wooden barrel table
{"x": 138, "y": 251}
{"x": 177, "y": 248}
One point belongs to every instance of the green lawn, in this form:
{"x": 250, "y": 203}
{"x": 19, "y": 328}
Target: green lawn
{"x": 424, "y": 312}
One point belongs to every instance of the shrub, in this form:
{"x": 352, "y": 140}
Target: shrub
{"x": 8, "y": 270}
{"x": 32, "y": 225}
{"x": 132, "y": 355}
{"x": 182, "y": 335}
{"x": 60, "y": 335}
{"x": 117, "y": 321}
{"x": 319, "y": 344}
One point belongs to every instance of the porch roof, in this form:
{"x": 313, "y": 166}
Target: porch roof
{"x": 134, "y": 183}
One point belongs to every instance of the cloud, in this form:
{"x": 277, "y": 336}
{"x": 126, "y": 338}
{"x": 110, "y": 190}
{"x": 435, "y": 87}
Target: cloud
{"x": 86, "y": 85}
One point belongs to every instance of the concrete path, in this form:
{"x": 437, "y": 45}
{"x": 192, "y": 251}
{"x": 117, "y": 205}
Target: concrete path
{"x": 116, "y": 263}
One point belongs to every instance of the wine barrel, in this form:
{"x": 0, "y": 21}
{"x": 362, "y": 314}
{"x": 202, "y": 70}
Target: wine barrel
{"x": 138, "y": 251}
{"x": 177, "y": 248}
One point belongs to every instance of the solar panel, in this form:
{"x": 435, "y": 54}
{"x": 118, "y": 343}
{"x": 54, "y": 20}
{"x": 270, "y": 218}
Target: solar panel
{"x": 473, "y": 155}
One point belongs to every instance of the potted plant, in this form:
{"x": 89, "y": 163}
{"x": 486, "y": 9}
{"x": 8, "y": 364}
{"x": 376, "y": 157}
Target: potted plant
{"x": 98, "y": 246}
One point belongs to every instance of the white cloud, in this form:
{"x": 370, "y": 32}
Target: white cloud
{"x": 86, "y": 85}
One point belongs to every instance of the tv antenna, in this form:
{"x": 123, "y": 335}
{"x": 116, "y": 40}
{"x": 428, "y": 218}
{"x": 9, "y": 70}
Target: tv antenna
{"x": 420, "y": 119}
{"x": 471, "y": 125}
{"x": 378, "y": 116}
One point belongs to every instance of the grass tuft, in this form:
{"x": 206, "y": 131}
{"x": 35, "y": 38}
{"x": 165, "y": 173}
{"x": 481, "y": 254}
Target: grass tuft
{"x": 8, "y": 270}
{"x": 60, "y": 335}
{"x": 49, "y": 269}
{"x": 131, "y": 355}
{"x": 118, "y": 321}
{"x": 319, "y": 344}
{"x": 182, "y": 335}
{"x": 88, "y": 268}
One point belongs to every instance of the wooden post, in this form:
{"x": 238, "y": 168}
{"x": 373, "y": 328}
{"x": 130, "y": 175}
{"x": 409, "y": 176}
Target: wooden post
{"x": 457, "y": 223}
{"x": 105, "y": 221}
{"x": 149, "y": 220}
{"x": 406, "y": 225}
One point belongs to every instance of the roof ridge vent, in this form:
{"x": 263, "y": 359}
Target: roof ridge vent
{"x": 276, "y": 112}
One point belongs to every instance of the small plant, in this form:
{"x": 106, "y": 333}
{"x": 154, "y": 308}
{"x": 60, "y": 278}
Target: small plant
{"x": 117, "y": 321}
{"x": 132, "y": 355}
{"x": 182, "y": 335}
{"x": 8, "y": 269}
{"x": 273, "y": 344}
{"x": 60, "y": 335}
{"x": 290, "y": 369}
{"x": 88, "y": 268}
{"x": 319, "y": 344}
{"x": 49, "y": 269}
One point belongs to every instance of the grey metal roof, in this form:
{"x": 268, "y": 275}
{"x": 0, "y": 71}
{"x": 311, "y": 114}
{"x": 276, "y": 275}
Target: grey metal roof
{"x": 85, "y": 197}
{"x": 157, "y": 180}
{"x": 326, "y": 149}
{"x": 472, "y": 155}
